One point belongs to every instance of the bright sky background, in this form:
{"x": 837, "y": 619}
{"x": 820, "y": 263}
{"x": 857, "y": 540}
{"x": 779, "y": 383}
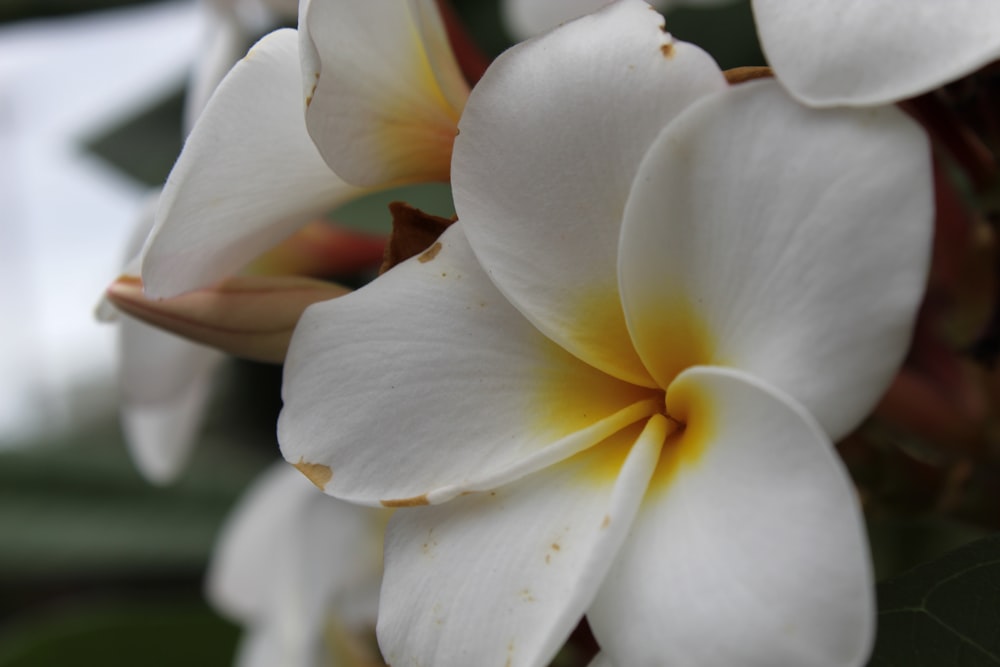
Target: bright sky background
{"x": 64, "y": 214}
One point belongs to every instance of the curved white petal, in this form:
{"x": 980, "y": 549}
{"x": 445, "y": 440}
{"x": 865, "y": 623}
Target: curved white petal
{"x": 749, "y": 548}
{"x": 165, "y": 385}
{"x": 788, "y": 242}
{"x": 383, "y": 103}
{"x": 248, "y": 176}
{"x": 503, "y": 577}
{"x": 288, "y": 558}
{"x": 248, "y": 547}
{"x": 867, "y": 52}
{"x": 427, "y": 382}
{"x": 551, "y": 139}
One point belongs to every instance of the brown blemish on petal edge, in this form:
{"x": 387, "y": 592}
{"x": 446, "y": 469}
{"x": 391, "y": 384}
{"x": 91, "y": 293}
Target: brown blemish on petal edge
{"x": 430, "y": 253}
{"x": 317, "y": 473}
{"x": 739, "y": 75}
{"x": 415, "y": 501}
{"x": 667, "y": 50}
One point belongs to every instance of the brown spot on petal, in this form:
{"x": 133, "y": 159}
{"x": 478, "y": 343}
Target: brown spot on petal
{"x": 667, "y": 50}
{"x": 415, "y": 501}
{"x": 430, "y": 253}
{"x": 739, "y": 75}
{"x": 317, "y": 473}
{"x": 607, "y": 521}
{"x": 555, "y": 546}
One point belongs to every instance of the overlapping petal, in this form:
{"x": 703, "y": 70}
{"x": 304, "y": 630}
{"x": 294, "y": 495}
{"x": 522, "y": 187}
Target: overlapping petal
{"x": 433, "y": 370}
{"x": 749, "y": 548}
{"x": 248, "y": 177}
{"x": 753, "y": 228}
{"x": 383, "y": 89}
{"x": 502, "y": 577}
{"x": 541, "y": 194}
{"x": 867, "y": 52}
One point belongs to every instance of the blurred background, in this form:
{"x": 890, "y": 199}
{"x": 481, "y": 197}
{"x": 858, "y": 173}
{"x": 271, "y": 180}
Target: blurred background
{"x": 98, "y": 567}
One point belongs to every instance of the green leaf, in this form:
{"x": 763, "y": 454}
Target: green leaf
{"x": 120, "y": 634}
{"x": 945, "y": 613}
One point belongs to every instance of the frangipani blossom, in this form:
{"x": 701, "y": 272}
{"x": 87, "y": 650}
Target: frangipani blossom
{"x": 615, "y": 380}
{"x": 362, "y": 96}
{"x": 527, "y": 18}
{"x": 251, "y": 175}
{"x": 868, "y": 52}
{"x": 301, "y": 571}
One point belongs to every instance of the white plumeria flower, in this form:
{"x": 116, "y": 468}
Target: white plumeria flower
{"x": 301, "y": 571}
{"x": 868, "y": 52}
{"x": 382, "y": 102}
{"x": 365, "y": 95}
{"x": 615, "y": 380}
{"x": 527, "y": 18}
{"x": 165, "y": 381}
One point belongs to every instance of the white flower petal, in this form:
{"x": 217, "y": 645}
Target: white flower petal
{"x": 383, "y": 104}
{"x": 427, "y": 382}
{"x": 749, "y": 548}
{"x": 788, "y": 242}
{"x": 264, "y": 646}
{"x": 165, "y": 384}
{"x": 601, "y": 660}
{"x": 867, "y": 52}
{"x": 506, "y": 575}
{"x": 551, "y": 139}
{"x": 287, "y": 557}
{"x": 248, "y": 176}
{"x": 240, "y": 581}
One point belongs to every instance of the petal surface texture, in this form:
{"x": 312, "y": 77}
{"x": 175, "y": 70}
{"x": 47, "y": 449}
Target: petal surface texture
{"x": 789, "y": 242}
{"x": 536, "y": 550}
{"x": 430, "y": 371}
{"x": 867, "y": 52}
{"x": 751, "y": 525}
{"x": 550, "y": 141}
{"x": 383, "y": 91}
{"x": 248, "y": 177}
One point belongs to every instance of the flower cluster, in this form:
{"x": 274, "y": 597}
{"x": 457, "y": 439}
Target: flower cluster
{"x": 611, "y": 389}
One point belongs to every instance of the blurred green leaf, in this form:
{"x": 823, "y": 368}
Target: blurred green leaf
{"x": 945, "y": 613}
{"x": 146, "y": 145}
{"x": 79, "y": 509}
{"x": 120, "y": 634}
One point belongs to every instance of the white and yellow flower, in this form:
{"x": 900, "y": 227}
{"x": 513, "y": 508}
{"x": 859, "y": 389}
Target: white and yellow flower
{"x": 363, "y": 93}
{"x": 362, "y": 96}
{"x": 615, "y": 381}
{"x": 865, "y": 52}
